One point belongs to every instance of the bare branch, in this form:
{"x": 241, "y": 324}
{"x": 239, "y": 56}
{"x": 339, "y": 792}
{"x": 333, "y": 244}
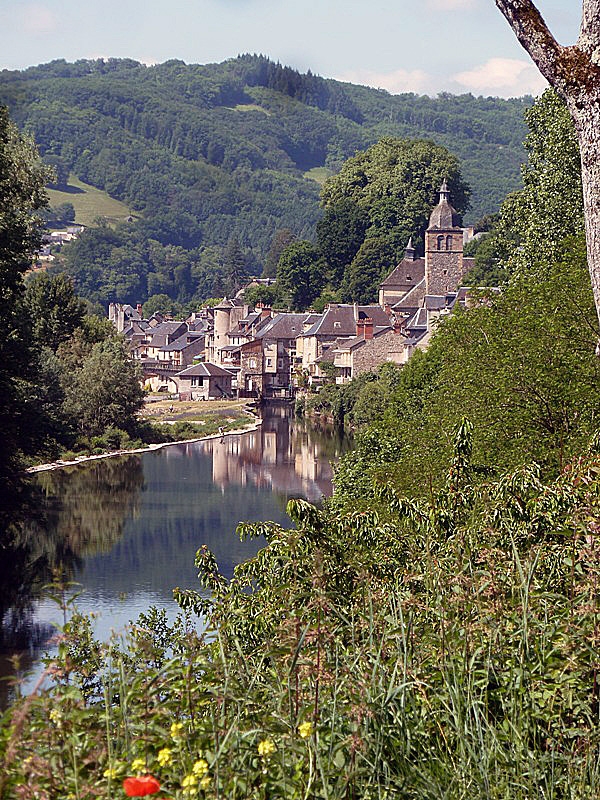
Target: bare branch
{"x": 534, "y": 35}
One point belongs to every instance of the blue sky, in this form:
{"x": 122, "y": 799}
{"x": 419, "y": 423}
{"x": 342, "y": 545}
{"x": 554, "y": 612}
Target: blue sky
{"x": 425, "y": 46}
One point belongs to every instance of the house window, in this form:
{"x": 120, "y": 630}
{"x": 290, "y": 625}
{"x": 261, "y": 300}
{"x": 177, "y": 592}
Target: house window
{"x": 269, "y": 362}
{"x": 448, "y": 242}
{"x": 445, "y": 271}
{"x": 440, "y": 242}
{"x": 280, "y": 363}
{"x": 337, "y": 324}
{"x": 252, "y": 363}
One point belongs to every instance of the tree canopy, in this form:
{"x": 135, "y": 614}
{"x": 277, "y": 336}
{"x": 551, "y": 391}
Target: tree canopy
{"x": 201, "y": 154}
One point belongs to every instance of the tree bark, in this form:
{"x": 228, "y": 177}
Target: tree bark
{"x": 575, "y": 74}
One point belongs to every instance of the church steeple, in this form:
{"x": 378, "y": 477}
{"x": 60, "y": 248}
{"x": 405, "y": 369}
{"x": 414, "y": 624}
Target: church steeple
{"x": 409, "y": 252}
{"x": 444, "y": 216}
{"x": 443, "y": 247}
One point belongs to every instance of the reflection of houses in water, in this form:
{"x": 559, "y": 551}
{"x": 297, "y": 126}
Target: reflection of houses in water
{"x": 280, "y": 455}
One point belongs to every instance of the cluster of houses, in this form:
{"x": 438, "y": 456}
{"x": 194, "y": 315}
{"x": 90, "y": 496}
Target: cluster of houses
{"x": 51, "y": 240}
{"x": 232, "y": 349}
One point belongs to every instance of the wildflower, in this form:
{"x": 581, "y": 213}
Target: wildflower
{"x": 200, "y": 768}
{"x": 305, "y": 730}
{"x": 141, "y": 786}
{"x": 205, "y": 782}
{"x": 176, "y": 730}
{"x": 56, "y": 716}
{"x": 138, "y": 765}
{"x": 165, "y": 756}
{"x": 110, "y": 773}
{"x": 266, "y": 748}
{"x": 189, "y": 784}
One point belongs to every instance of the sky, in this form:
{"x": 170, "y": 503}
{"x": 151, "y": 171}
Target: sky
{"x": 422, "y": 46}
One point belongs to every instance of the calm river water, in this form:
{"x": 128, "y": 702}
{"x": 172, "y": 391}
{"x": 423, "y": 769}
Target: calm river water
{"x": 127, "y": 529}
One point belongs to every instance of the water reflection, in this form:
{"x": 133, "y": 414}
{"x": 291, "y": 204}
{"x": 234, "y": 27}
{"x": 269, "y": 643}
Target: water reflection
{"x": 127, "y": 529}
{"x": 68, "y": 514}
{"x": 284, "y": 455}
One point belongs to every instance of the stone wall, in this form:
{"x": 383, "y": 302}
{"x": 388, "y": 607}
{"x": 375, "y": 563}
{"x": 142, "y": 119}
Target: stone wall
{"x": 386, "y": 347}
{"x": 443, "y": 261}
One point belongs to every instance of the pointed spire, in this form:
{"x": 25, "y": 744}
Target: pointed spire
{"x": 444, "y": 216}
{"x": 409, "y": 252}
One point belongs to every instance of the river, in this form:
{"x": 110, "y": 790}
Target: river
{"x": 126, "y": 530}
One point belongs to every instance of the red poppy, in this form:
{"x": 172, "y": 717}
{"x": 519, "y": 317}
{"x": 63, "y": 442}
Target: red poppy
{"x": 141, "y": 786}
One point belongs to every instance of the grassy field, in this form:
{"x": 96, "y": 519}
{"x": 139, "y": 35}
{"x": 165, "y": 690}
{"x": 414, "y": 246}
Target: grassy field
{"x": 318, "y": 174}
{"x": 90, "y": 203}
{"x": 184, "y": 410}
{"x": 251, "y": 107}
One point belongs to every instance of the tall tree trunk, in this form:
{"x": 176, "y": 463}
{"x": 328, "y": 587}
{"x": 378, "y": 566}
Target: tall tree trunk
{"x": 575, "y": 74}
{"x": 587, "y": 123}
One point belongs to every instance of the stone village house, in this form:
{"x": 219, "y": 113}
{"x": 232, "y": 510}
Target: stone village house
{"x": 265, "y": 354}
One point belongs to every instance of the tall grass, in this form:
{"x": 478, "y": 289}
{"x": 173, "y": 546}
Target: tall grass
{"x": 441, "y": 650}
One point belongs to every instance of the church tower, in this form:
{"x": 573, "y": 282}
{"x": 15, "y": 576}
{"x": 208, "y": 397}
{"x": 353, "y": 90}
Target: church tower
{"x": 444, "y": 267}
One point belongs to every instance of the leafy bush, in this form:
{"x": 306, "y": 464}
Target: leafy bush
{"x": 434, "y": 648}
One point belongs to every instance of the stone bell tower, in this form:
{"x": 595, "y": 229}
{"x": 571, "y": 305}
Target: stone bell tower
{"x": 444, "y": 267}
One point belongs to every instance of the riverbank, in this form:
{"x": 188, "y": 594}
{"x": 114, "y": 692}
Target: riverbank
{"x": 171, "y": 413}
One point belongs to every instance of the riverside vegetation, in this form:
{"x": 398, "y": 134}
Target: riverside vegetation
{"x": 433, "y": 630}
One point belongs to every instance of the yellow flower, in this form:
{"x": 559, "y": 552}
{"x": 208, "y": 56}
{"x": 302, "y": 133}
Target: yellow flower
{"x": 138, "y": 765}
{"x": 305, "y": 730}
{"x": 55, "y": 716}
{"x": 111, "y": 773}
{"x": 205, "y": 782}
{"x": 189, "y": 784}
{"x": 164, "y": 756}
{"x": 200, "y": 768}
{"x": 176, "y": 730}
{"x": 266, "y": 748}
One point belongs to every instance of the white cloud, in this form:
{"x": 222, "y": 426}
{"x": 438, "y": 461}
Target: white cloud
{"x": 38, "y": 19}
{"x": 401, "y": 80}
{"x": 506, "y": 77}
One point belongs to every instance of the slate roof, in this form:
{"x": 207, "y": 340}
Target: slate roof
{"x": 282, "y": 326}
{"x": 356, "y": 341}
{"x": 340, "y": 319}
{"x": 436, "y": 302}
{"x": 419, "y": 320}
{"x": 183, "y": 341}
{"x": 167, "y": 328}
{"x": 444, "y": 217}
{"x": 406, "y": 274}
{"x": 204, "y": 370}
{"x": 414, "y": 297}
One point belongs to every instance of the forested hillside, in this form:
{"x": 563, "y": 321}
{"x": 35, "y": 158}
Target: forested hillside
{"x": 207, "y": 154}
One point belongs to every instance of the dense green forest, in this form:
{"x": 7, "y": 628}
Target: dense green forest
{"x": 218, "y": 153}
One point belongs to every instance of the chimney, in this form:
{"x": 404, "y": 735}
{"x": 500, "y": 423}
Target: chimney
{"x": 138, "y": 308}
{"x": 388, "y": 309}
{"x": 398, "y": 327}
{"x": 265, "y": 312}
{"x": 368, "y": 328}
{"x": 360, "y": 328}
